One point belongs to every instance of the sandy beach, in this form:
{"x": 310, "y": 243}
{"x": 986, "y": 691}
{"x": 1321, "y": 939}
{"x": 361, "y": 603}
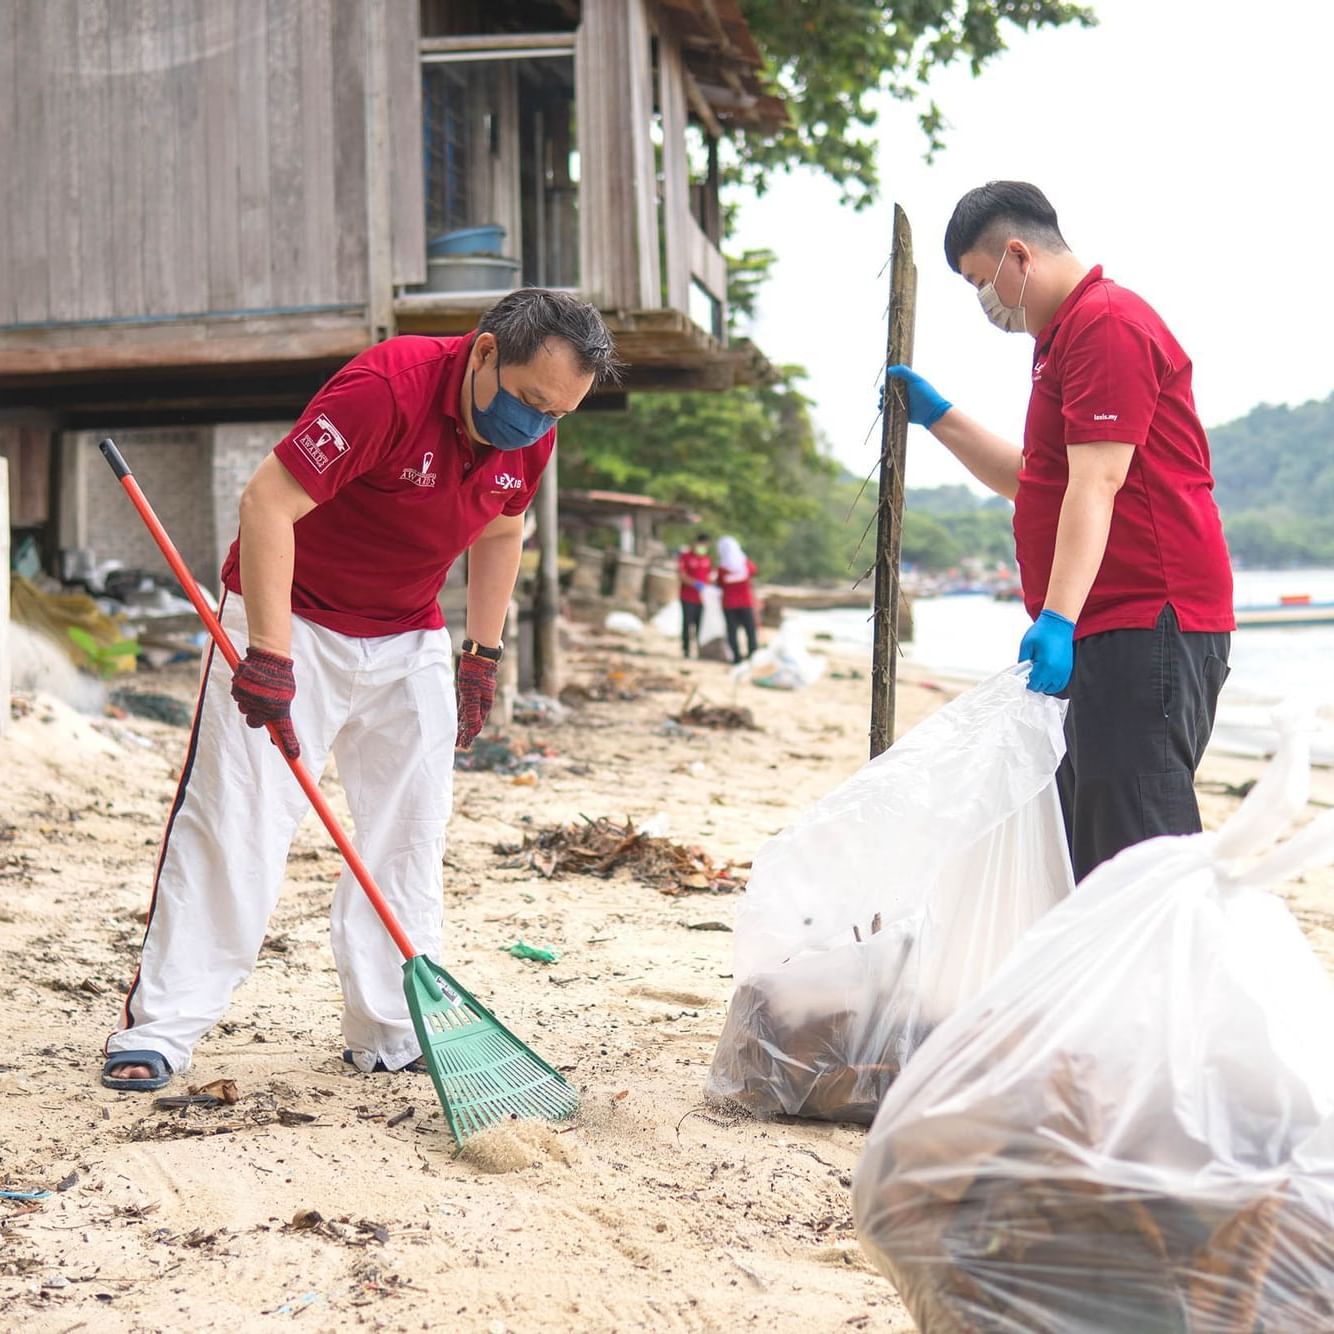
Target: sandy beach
{"x": 654, "y": 1211}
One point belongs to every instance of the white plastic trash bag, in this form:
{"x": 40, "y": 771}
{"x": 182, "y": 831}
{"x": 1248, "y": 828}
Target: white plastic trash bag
{"x": 786, "y": 663}
{"x": 892, "y": 901}
{"x": 712, "y": 622}
{"x": 1132, "y": 1127}
{"x": 712, "y": 625}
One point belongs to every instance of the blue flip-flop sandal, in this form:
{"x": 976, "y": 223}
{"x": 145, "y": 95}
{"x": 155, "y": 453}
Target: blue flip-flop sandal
{"x": 154, "y": 1060}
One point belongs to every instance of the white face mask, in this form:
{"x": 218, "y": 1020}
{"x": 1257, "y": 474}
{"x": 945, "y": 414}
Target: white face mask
{"x": 1009, "y": 318}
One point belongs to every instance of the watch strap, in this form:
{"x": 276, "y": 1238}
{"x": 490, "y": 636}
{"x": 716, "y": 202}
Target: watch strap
{"x": 483, "y": 650}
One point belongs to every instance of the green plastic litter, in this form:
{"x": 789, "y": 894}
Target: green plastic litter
{"x": 534, "y": 952}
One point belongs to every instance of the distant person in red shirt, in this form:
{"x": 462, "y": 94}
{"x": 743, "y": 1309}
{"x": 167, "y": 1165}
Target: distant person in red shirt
{"x": 696, "y": 570}
{"x": 414, "y": 452}
{"x": 735, "y": 571}
{"x": 1124, "y": 567}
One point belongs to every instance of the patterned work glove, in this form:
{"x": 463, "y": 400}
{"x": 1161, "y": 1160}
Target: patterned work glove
{"x": 476, "y": 695}
{"x": 263, "y": 687}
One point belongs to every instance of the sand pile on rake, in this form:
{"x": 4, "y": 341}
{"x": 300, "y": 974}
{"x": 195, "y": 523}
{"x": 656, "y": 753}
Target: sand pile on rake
{"x": 602, "y": 847}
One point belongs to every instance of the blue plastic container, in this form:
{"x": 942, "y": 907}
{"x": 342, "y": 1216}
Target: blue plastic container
{"x": 486, "y": 240}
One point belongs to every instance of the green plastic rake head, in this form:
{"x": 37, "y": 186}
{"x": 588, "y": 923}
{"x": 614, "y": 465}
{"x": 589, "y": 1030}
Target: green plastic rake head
{"x": 482, "y": 1073}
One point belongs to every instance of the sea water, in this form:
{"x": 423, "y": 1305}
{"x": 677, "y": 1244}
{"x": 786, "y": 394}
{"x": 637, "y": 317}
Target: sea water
{"x": 970, "y": 637}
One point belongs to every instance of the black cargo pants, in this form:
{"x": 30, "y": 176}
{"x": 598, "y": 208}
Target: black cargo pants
{"x": 1141, "y": 713}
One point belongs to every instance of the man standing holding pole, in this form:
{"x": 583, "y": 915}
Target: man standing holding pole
{"x": 1120, "y": 545}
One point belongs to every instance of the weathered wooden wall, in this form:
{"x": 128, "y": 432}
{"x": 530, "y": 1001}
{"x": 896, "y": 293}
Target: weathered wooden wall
{"x": 180, "y": 157}
{"x": 618, "y": 207}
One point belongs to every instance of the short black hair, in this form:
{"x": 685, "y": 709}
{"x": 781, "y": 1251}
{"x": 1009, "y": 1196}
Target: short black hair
{"x": 701, "y": 537}
{"x": 1014, "y": 207}
{"x": 522, "y": 320}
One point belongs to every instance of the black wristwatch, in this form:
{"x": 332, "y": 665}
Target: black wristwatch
{"x": 482, "y": 651}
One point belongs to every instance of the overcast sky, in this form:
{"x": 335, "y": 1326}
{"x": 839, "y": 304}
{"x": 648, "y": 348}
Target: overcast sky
{"x": 1186, "y": 147}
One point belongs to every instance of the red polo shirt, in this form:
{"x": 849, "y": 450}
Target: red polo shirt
{"x": 1107, "y": 368}
{"x": 693, "y": 568}
{"x": 400, "y": 490}
{"x": 737, "y": 593}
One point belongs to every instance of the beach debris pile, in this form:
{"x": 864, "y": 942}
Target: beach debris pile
{"x": 617, "y": 684}
{"x": 191, "y": 1115}
{"x": 502, "y": 755}
{"x": 602, "y": 847}
{"x": 719, "y": 717}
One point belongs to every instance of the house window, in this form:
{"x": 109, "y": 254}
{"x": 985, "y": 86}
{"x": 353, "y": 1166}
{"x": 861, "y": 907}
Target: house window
{"x": 501, "y": 166}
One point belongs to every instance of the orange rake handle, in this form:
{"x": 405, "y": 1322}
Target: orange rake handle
{"x": 186, "y": 579}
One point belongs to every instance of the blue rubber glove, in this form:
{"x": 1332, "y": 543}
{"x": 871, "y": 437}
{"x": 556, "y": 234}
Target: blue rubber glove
{"x": 925, "y": 404}
{"x": 700, "y": 585}
{"x": 1050, "y": 646}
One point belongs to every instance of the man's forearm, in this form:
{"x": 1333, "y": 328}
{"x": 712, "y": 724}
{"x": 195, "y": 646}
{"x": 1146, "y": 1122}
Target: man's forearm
{"x": 993, "y": 460}
{"x": 1081, "y": 543}
{"x": 493, "y": 569}
{"x": 267, "y": 556}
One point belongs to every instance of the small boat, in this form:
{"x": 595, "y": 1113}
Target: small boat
{"x": 1291, "y": 609}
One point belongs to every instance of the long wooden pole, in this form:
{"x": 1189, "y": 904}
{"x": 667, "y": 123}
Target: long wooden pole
{"x": 893, "y": 452}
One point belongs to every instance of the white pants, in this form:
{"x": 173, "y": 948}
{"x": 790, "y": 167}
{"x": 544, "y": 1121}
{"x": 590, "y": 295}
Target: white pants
{"x": 385, "y": 708}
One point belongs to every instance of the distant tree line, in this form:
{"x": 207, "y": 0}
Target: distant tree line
{"x": 1274, "y": 474}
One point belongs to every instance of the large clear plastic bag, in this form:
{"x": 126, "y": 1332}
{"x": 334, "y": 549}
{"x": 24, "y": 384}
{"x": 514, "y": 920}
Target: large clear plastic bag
{"x": 1131, "y": 1130}
{"x": 892, "y": 900}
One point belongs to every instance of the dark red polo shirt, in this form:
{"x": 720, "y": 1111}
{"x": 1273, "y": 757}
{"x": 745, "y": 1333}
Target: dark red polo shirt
{"x": 693, "y": 568}
{"x": 1107, "y": 368}
{"x": 400, "y": 490}
{"x": 737, "y": 593}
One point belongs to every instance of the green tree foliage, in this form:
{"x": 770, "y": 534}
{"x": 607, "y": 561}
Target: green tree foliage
{"x": 975, "y": 526}
{"x": 828, "y": 59}
{"x": 745, "y": 460}
{"x": 1274, "y": 475}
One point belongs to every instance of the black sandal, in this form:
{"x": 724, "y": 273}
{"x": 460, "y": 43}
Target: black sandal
{"x": 154, "y": 1060}
{"x": 416, "y": 1066}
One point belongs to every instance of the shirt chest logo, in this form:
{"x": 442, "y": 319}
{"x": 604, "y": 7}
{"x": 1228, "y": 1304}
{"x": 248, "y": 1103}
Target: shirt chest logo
{"x": 322, "y": 443}
{"x": 1038, "y": 367}
{"x": 504, "y": 482}
{"x": 422, "y": 476}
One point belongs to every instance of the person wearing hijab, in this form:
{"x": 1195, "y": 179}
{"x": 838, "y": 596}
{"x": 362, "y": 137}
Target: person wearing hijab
{"x": 734, "y": 573}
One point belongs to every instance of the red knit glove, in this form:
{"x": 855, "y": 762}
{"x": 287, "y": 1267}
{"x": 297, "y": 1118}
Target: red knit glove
{"x": 263, "y": 687}
{"x": 477, "y": 693}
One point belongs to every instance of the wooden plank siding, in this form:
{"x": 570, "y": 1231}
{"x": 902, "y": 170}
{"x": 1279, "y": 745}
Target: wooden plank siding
{"x": 222, "y": 144}
{"x": 252, "y": 112}
{"x": 618, "y": 243}
{"x": 349, "y": 122}
{"x": 60, "y": 108}
{"x": 407, "y": 181}
{"x": 195, "y": 158}
{"x": 187, "y": 207}
{"x": 288, "y": 283}
{"x": 675, "y": 171}
{"x": 317, "y": 146}
{"x": 9, "y": 138}
{"x": 93, "y": 145}
{"x": 26, "y": 206}
{"x": 158, "y": 144}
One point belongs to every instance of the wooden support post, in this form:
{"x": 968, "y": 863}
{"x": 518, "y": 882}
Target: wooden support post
{"x": 893, "y": 450}
{"x": 546, "y": 602}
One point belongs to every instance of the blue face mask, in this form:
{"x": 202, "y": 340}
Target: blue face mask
{"x": 508, "y": 423}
